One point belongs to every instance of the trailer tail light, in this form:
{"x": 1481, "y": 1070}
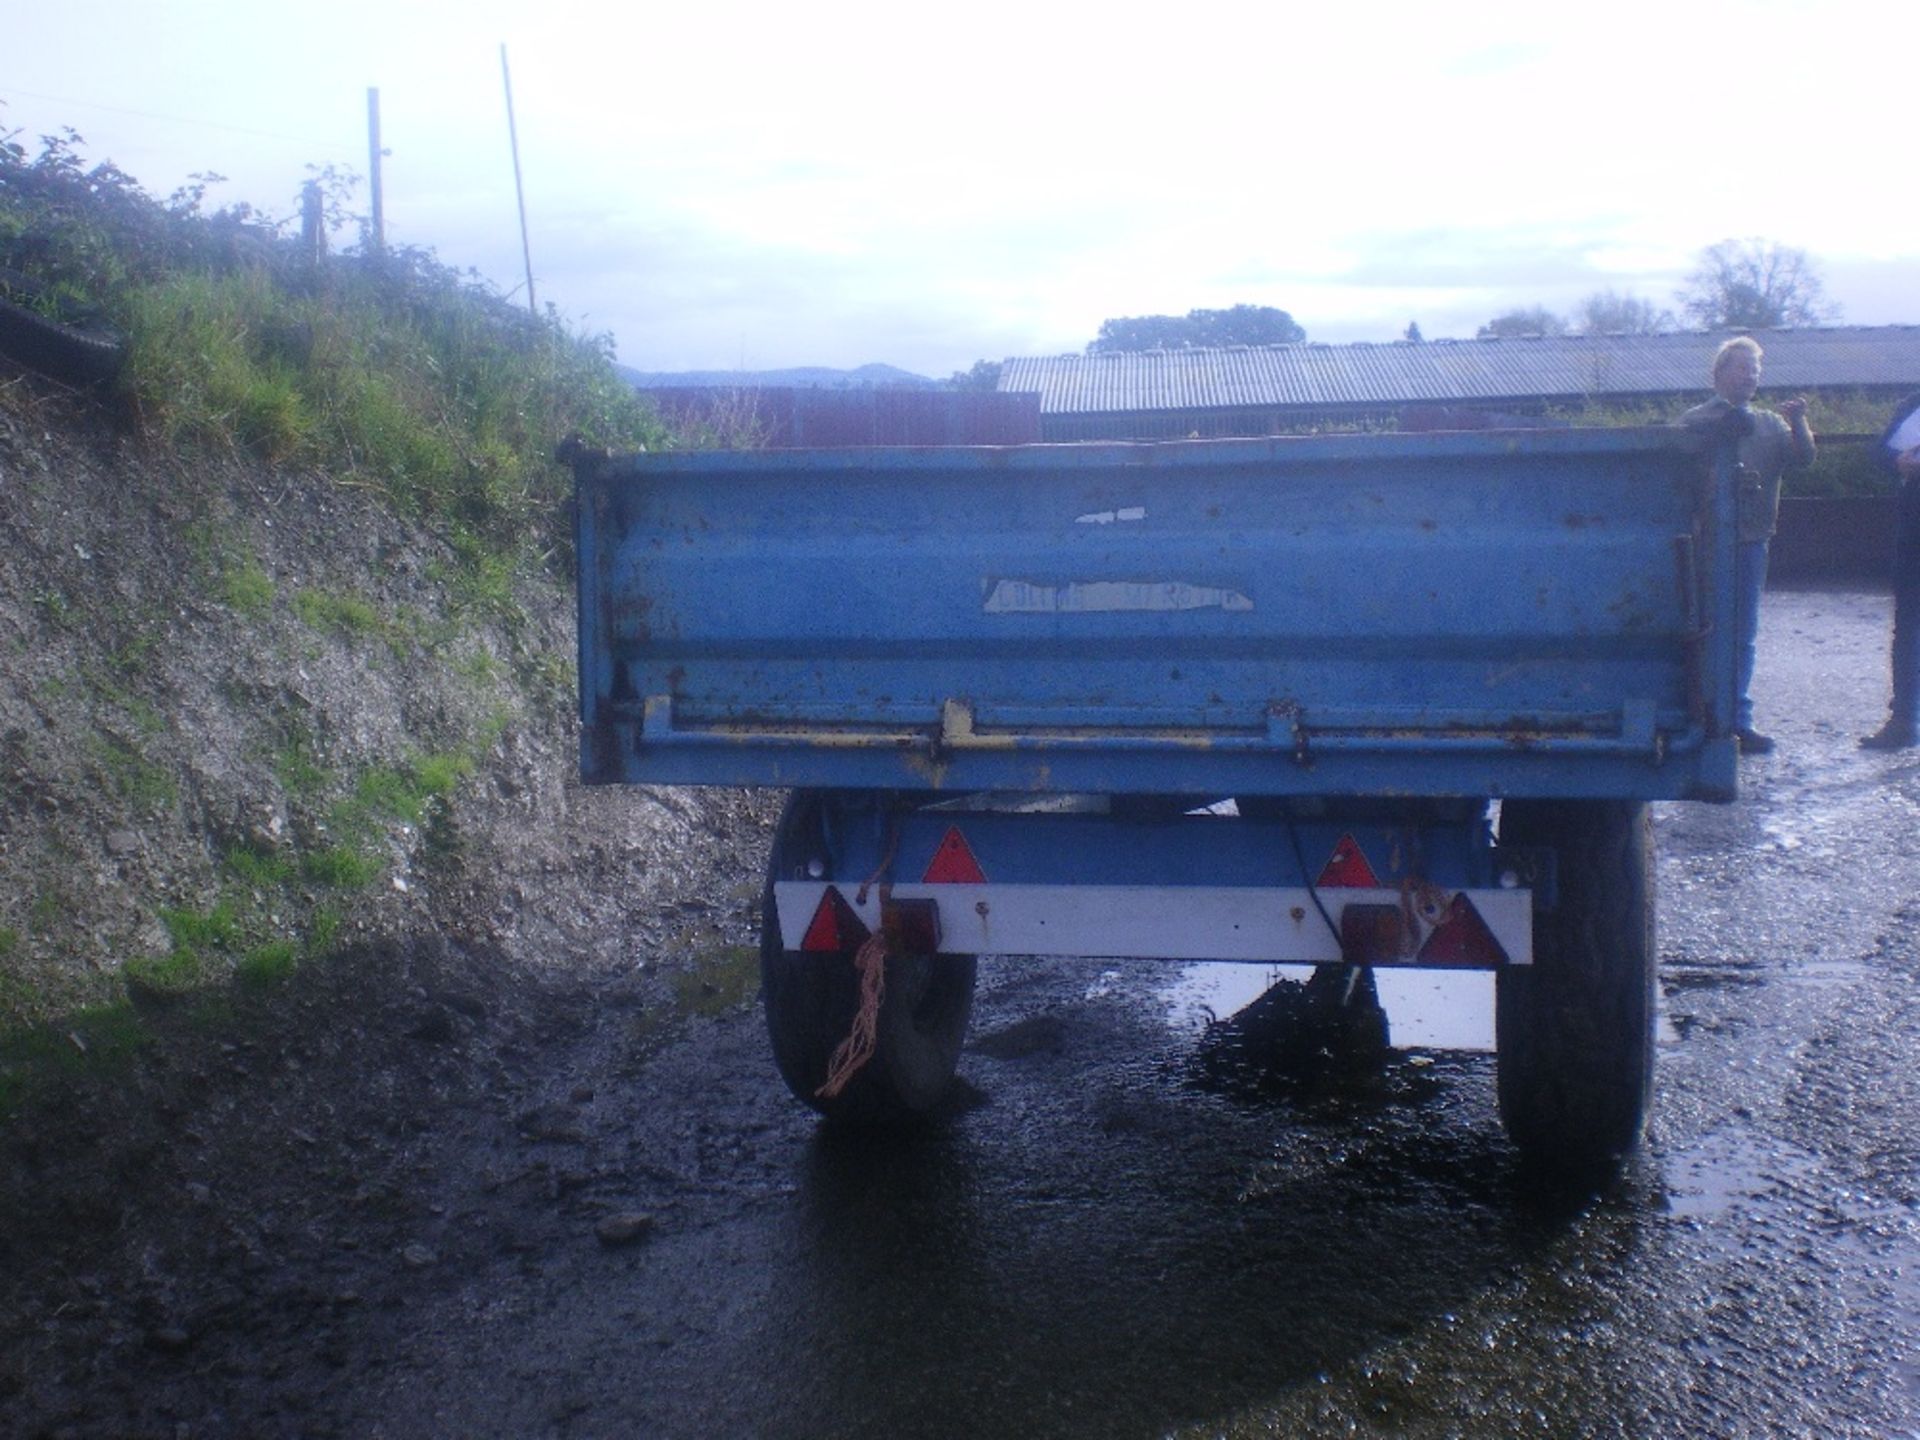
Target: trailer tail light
{"x": 1372, "y": 934}
{"x": 912, "y": 927}
{"x": 953, "y": 862}
{"x": 1463, "y": 939}
{"x": 834, "y": 926}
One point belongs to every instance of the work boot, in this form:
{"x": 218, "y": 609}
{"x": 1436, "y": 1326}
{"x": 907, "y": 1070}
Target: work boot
{"x": 1896, "y": 734}
{"x": 1752, "y": 742}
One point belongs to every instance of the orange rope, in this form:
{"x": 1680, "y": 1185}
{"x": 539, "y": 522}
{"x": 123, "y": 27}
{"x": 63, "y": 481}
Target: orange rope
{"x": 857, "y": 1049}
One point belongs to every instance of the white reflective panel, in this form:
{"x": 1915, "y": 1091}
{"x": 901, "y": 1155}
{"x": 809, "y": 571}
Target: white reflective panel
{"x": 1149, "y": 922}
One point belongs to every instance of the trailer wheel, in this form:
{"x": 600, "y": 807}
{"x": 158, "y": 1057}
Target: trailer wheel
{"x": 1575, "y": 1029}
{"x": 810, "y": 998}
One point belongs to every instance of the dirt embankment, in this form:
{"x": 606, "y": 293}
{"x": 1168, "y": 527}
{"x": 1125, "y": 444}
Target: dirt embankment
{"x": 222, "y": 686}
{"x": 291, "y": 848}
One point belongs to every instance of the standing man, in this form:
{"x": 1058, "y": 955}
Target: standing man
{"x": 1769, "y": 446}
{"x": 1900, "y": 452}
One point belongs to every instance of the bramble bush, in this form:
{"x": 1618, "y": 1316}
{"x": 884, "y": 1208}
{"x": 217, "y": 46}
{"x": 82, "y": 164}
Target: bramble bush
{"x": 387, "y": 370}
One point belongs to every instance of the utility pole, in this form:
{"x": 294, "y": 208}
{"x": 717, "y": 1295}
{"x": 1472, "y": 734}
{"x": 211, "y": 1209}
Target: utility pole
{"x": 313, "y": 225}
{"x": 373, "y": 164}
{"x": 519, "y": 191}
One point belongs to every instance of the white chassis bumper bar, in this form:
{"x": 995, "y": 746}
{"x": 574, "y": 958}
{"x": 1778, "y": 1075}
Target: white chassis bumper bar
{"x": 1277, "y": 926}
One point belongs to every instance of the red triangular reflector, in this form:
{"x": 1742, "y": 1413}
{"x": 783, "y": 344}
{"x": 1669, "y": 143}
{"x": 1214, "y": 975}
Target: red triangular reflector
{"x": 1462, "y": 938}
{"x": 953, "y": 862}
{"x": 1347, "y": 868}
{"x": 835, "y": 926}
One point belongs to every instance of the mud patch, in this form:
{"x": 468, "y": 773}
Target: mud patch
{"x": 1023, "y": 1039}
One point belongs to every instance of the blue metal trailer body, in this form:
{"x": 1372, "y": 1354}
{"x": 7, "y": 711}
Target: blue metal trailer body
{"x": 1537, "y": 613}
{"x": 1245, "y": 700}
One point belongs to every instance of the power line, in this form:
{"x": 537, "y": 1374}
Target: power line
{"x": 6, "y": 90}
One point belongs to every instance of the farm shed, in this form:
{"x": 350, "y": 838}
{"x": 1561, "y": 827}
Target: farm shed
{"x": 1279, "y": 389}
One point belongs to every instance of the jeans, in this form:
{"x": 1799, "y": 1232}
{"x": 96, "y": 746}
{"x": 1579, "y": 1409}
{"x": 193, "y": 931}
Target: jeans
{"x": 1750, "y": 578}
{"x": 1906, "y": 605}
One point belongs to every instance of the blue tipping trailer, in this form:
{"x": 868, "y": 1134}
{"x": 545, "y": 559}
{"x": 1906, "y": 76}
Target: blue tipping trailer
{"x": 1013, "y": 688}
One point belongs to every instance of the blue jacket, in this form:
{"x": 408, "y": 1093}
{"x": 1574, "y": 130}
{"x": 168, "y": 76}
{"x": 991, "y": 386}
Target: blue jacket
{"x": 1886, "y": 451}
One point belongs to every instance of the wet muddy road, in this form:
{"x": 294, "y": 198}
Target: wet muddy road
{"x": 1104, "y": 1238}
{"x": 1101, "y": 1242}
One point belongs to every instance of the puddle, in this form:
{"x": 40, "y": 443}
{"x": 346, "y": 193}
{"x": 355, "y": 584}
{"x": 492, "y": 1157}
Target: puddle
{"x": 1726, "y": 1168}
{"x": 1906, "y": 1281}
{"x": 1822, "y": 972}
{"x": 1426, "y": 1009}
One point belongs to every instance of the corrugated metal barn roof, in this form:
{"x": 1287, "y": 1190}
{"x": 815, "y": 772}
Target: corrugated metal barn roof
{"x": 1568, "y": 368}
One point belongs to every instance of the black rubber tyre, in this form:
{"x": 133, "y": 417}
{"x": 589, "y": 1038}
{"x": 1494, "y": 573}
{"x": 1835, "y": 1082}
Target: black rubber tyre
{"x": 1575, "y": 1028}
{"x": 79, "y": 356}
{"x": 810, "y": 999}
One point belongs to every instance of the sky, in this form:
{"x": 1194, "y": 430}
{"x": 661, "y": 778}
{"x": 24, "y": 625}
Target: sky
{"x": 747, "y": 186}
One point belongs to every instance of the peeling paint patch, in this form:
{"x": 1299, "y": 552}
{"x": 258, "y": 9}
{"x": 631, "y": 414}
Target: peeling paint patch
{"x": 1108, "y": 517}
{"x": 1021, "y": 597}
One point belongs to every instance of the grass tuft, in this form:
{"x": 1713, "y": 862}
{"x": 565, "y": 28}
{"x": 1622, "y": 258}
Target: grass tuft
{"x": 173, "y": 976}
{"x": 341, "y": 866}
{"x": 259, "y": 868}
{"x": 247, "y": 589}
{"x": 212, "y": 929}
{"x": 267, "y": 965}
{"x": 342, "y": 613}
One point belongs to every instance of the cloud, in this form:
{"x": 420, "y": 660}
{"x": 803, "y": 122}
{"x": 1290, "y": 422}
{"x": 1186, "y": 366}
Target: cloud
{"x": 857, "y": 182}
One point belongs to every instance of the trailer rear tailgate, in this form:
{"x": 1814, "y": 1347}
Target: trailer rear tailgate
{"x": 1529, "y": 612}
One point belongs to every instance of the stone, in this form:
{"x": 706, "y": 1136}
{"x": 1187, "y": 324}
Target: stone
{"x": 624, "y": 1228}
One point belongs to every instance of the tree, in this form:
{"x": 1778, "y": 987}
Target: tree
{"x": 1142, "y": 332}
{"x": 1606, "y": 312}
{"x": 1413, "y": 334}
{"x": 1536, "y": 321}
{"x": 1755, "y": 284}
{"x": 1197, "y": 329}
{"x": 985, "y": 375}
{"x": 1245, "y": 325}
